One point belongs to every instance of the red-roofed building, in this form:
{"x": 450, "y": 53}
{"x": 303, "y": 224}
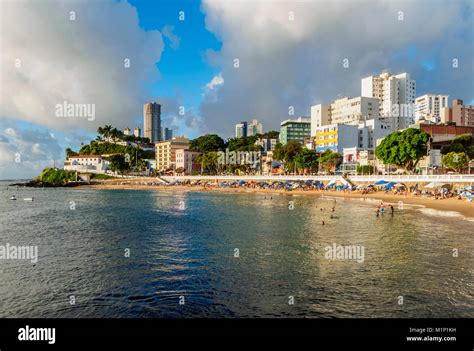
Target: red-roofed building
{"x": 86, "y": 163}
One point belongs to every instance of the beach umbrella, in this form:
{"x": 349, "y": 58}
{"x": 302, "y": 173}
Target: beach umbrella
{"x": 434, "y": 185}
{"x": 381, "y": 182}
{"x": 390, "y": 185}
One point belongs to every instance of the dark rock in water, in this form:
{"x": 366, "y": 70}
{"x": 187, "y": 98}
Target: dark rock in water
{"x": 39, "y": 184}
{"x": 73, "y": 184}
{"x": 31, "y": 183}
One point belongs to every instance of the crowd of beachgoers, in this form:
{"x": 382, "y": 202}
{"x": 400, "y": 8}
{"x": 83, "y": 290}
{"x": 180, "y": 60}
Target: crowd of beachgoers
{"x": 432, "y": 190}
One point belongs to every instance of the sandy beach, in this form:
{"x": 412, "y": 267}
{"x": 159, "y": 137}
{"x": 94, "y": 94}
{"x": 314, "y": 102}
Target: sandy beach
{"x": 452, "y": 204}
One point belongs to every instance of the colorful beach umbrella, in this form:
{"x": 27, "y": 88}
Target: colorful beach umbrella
{"x": 381, "y": 182}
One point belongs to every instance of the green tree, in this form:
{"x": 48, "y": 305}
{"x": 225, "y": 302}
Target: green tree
{"x": 118, "y": 164}
{"x": 56, "y": 177}
{"x": 457, "y": 161}
{"x": 209, "y": 162}
{"x": 70, "y": 153}
{"x": 307, "y": 160}
{"x": 207, "y": 143}
{"x": 403, "y": 148}
{"x": 365, "y": 169}
{"x": 107, "y": 130}
{"x": 287, "y": 153}
{"x": 272, "y": 134}
{"x": 463, "y": 143}
{"x": 100, "y": 131}
{"x": 243, "y": 144}
{"x": 329, "y": 160}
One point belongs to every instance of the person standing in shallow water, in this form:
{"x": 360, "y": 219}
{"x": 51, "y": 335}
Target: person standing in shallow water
{"x": 392, "y": 210}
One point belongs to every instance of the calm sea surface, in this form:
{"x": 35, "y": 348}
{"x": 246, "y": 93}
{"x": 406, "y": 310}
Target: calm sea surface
{"x": 182, "y": 244}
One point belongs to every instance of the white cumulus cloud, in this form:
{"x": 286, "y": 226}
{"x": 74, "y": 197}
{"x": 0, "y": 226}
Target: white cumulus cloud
{"x": 47, "y": 58}
{"x": 291, "y": 53}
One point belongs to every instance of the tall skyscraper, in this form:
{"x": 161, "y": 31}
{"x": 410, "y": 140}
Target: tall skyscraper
{"x": 241, "y": 129}
{"x": 428, "y": 107}
{"x": 168, "y": 134}
{"x": 396, "y": 94}
{"x": 254, "y": 128}
{"x": 152, "y": 121}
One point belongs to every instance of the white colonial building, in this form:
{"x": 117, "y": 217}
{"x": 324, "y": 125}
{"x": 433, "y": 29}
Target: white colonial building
{"x": 86, "y": 163}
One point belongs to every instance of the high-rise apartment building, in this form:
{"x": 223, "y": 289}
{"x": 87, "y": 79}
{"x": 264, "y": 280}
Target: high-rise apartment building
{"x": 462, "y": 115}
{"x": 362, "y": 135}
{"x": 254, "y": 128}
{"x": 344, "y": 111}
{"x": 241, "y": 129}
{"x": 396, "y": 94}
{"x": 295, "y": 130}
{"x": 428, "y": 107}
{"x": 152, "y": 121}
{"x": 168, "y": 134}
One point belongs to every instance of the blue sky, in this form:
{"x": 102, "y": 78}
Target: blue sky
{"x": 184, "y": 70}
{"x": 283, "y": 63}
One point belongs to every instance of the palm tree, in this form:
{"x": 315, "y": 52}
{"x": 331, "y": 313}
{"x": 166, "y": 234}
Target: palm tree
{"x": 106, "y": 131}
{"x": 115, "y": 134}
{"x": 100, "y": 131}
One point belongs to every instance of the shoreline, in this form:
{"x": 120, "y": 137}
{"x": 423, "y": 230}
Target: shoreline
{"x": 463, "y": 207}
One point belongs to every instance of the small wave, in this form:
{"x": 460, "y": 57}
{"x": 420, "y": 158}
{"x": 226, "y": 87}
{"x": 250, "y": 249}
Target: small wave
{"x": 439, "y": 213}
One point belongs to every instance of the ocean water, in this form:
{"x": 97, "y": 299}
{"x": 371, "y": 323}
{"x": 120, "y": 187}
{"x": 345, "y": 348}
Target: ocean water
{"x": 183, "y": 264}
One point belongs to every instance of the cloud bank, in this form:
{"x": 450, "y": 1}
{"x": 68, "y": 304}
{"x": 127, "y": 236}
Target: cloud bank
{"x": 292, "y": 53}
{"x": 81, "y": 52}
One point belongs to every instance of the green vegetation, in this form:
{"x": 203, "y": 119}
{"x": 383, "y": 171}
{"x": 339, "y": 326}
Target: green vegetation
{"x": 329, "y": 160}
{"x": 70, "y": 153}
{"x": 123, "y": 158}
{"x": 457, "y": 161}
{"x": 119, "y": 163}
{"x": 307, "y": 160}
{"x": 272, "y": 134}
{"x": 209, "y": 162}
{"x": 364, "y": 170}
{"x": 243, "y": 144}
{"x": 55, "y": 177}
{"x": 286, "y": 152}
{"x": 108, "y": 132}
{"x": 463, "y": 143}
{"x": 207, "y": 143}
{"x": 403, "y": 148}
{"x": 99, "y": 176}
